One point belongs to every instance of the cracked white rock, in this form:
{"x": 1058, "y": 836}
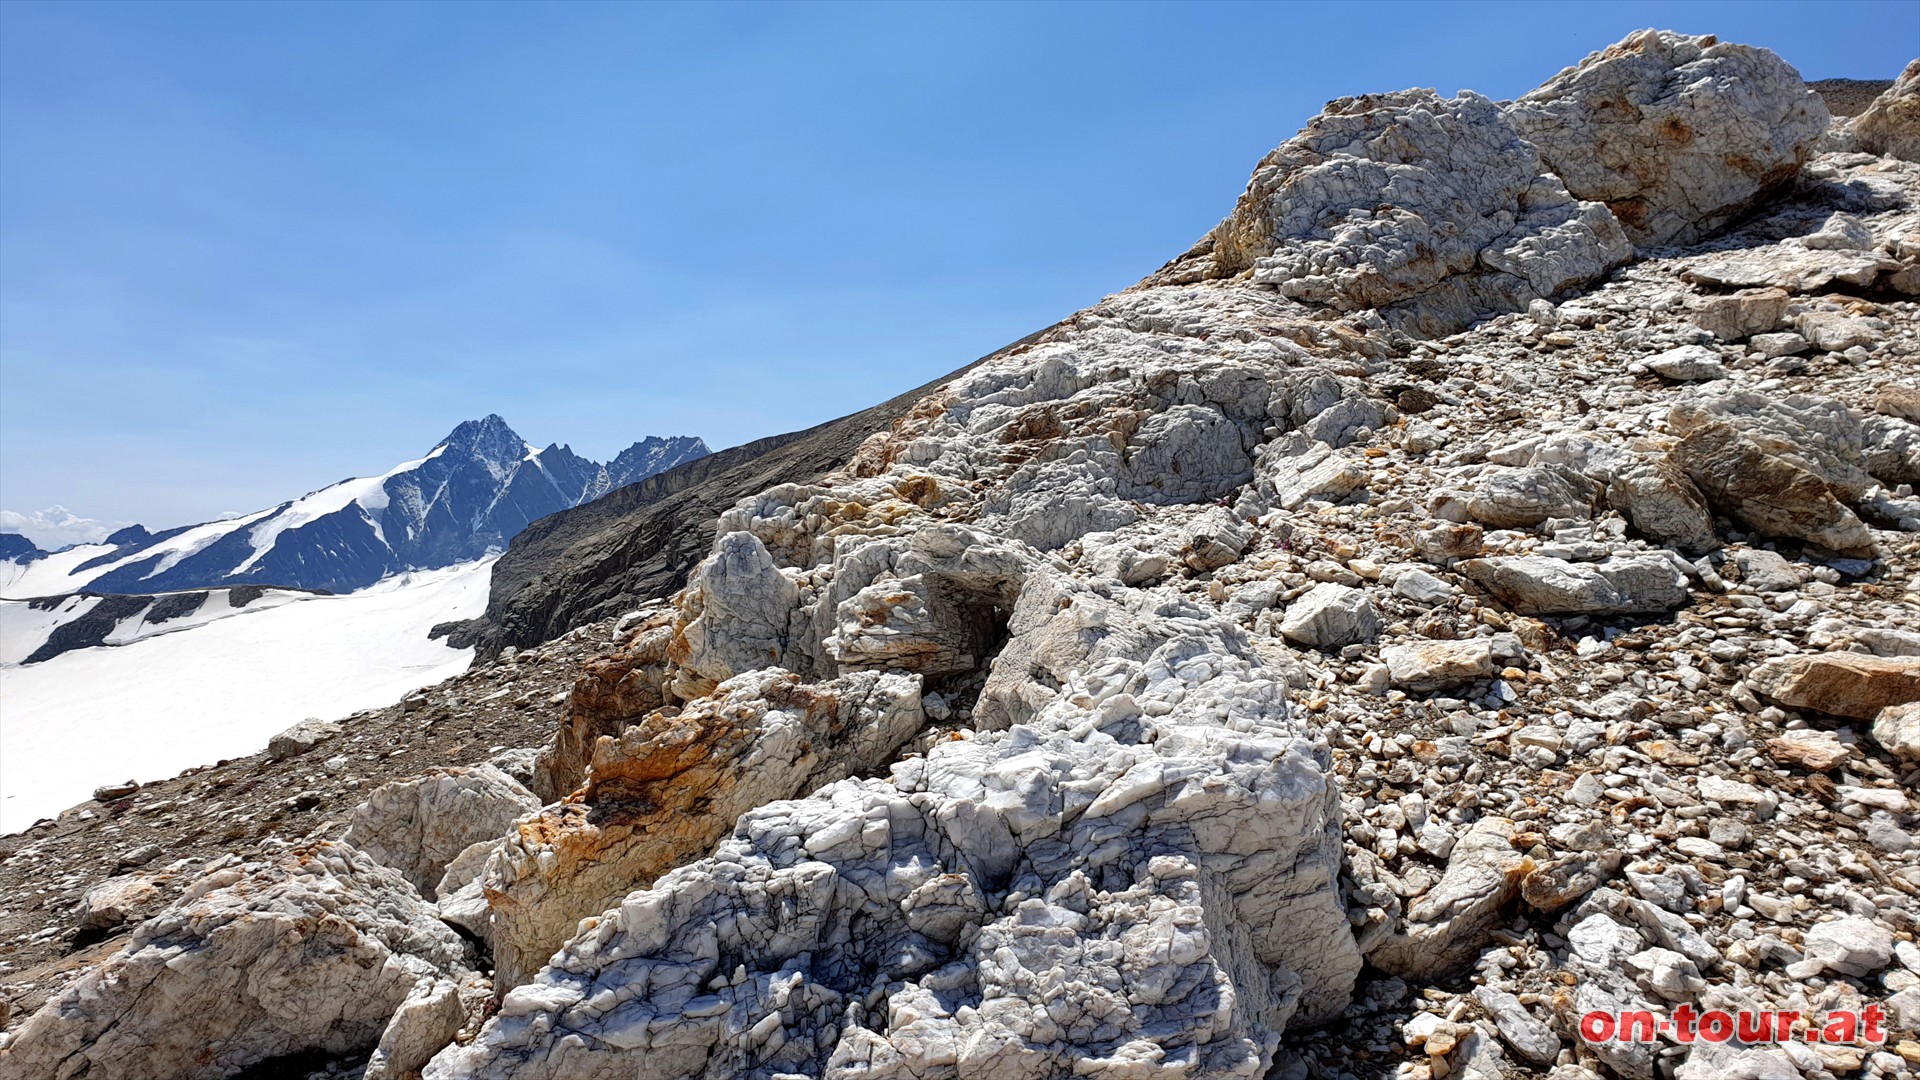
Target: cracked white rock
{"x": 1620, "y": 584}
{"x": 1432, "y": 210}
{"x": 418, "y": 826}
{"x": 1330, "y": 616}
{"x": 1891, "y": 124}
{"x": 1678, "y": 135}
{"x": 313, "y": 952}
{"x": 1159, "y": 803}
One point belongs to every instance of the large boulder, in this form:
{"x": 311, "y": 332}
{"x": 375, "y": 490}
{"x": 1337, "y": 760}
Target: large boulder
{"x": 418, "y": 825}
{"x": 120, "y": 900}
{"x": 670, "y": 786}
{"x": 736, "y": 610}
{"x": 1657, "y": 497}
{"x": 1432, "y": 210}
{"x": 1678, "y": 135}
{"x": 1781, "y": 465}
{"x": 314, "y": 952}
{"x": 1891, "y": 125}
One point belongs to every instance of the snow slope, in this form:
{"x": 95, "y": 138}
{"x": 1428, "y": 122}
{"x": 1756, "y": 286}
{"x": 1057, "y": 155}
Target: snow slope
{"x": 50, "y": 575}
{"x": 24, "y": 628}
{"x": 148, "y": 709}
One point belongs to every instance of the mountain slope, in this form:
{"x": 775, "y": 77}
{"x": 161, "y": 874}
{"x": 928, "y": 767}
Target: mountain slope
{"x": 1224, "y": 666}
{"x": 470, "y": 494}
{"x": 605, "y": 557}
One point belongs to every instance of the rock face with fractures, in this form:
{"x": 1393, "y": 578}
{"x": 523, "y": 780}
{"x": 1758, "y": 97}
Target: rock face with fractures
{"x": 1783, "y": 467}
{"x": 1678, "y": 135}
{"x": 671, "y": 785}
{"x": 418, "y": 826}
{"x": 1434, "y": 211}
{"x": 1142, "y": 870}
{"x": 312, "y": 953}
{"x": 1891, "y": 125}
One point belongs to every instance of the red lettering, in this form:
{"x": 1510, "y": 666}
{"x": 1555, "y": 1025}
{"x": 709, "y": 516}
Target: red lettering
{"x": 1716, "y": 1026}
{"x": 1870, "y": 1018}
{"x": 1840, "y": 1028}
{"x": 1597, "y": 1026}
{"x": 1755, "y": 1027}
{"x": 1683, "y": 1020}
{"x": 1638, "y": 1025}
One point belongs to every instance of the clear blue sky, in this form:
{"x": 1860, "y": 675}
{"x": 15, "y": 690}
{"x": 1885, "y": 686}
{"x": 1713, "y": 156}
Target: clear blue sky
{"x": 250, "y": 249}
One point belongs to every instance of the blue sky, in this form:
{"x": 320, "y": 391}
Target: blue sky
{"x": 248, "y": 250}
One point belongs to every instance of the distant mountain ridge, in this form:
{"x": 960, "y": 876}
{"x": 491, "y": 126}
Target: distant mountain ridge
{"x": 471, "y": 494}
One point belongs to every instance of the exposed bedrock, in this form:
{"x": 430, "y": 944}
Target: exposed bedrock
{"x": 1891, "y": 125}
{"x": 315, "y": 952}
{"x": 1143, "y": 870}
{"x": 1678, "y": 135}
{"x": 670, "y": 786}
{"x": 1434, "y": 211}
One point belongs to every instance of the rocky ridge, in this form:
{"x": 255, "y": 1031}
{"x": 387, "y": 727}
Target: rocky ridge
{"x": 1358, "y": 650}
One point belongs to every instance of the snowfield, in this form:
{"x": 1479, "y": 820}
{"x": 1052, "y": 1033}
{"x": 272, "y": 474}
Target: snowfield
{"x": 53, "y": 575}
{"x": 220, "y": 689}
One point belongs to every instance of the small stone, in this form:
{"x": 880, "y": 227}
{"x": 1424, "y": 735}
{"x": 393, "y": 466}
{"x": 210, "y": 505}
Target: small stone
{"x": 1667, "y": 890}
{"x": 1423, "y": 588}
{"x": 300, "y": 738}
{"x": 1586, "y": 790}
{"x": 1740, "y": 315}
{"x": 1552, "y": 886}
{"x": 1448, "y": 540}
{"x": 1842, "y": 684}
{"x": 1330, "y": 616}
{"x": 139, "y": 856}
{"x": 1766, "y": 571}
{"x": 1689, "y": 363}
{"x": 1434, "y": 665}
{"x": 1832, "y": 332}
{"x": 1774, "y": 346}
{"x": 1668, "y": 974}
{"x": 1529, "y": 1037}
{"x": 1700, "y": 849}
{"x": 1816, "y": 751}
{"x": 1849, "y": 945}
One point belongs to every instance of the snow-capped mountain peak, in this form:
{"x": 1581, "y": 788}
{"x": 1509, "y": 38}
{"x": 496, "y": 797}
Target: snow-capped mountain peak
{"x": 469, "y": 495}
